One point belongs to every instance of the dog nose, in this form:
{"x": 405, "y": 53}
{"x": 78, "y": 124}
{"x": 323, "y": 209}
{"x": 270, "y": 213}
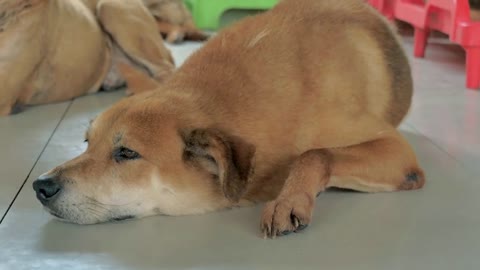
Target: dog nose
{"x": 46, "y": 189}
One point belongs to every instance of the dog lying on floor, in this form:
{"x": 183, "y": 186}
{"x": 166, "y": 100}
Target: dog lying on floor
{"x": 54, "y": 50}
{"x": 277, "y": 108}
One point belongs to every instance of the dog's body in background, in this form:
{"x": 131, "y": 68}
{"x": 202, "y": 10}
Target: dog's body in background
{"x": 54, "y": 50}
{"x": 174, "y": 20}
{"x": 276, "y": 108}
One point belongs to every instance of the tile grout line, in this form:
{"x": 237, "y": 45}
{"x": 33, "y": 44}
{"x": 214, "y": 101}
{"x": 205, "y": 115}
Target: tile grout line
{"x": 36, "y": 161}
{"x": 434, "y": 143}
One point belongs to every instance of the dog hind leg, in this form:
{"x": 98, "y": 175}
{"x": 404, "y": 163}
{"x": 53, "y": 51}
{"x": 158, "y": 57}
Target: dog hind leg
{"x": 384, "y": 164}
{"x": 134, "y": 33}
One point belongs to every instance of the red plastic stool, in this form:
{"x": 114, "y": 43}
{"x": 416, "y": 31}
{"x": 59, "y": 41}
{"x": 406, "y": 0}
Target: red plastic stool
{"x": 451, "y": 17}
{"x": 467, "y": 34}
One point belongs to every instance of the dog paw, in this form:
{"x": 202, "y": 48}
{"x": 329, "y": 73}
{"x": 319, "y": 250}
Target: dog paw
{"x": 175, "y": 37}
{"x": 11, "y": 110}
{"x": 286, "y": 215}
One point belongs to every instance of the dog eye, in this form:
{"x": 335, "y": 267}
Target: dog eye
{"x": 124, "y": 153}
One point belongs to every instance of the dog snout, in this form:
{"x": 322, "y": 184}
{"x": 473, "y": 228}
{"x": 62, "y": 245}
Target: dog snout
{"x": 47, "y": 189}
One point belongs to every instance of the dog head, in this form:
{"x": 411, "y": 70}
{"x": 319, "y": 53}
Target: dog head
{"x": 144, "y": 159}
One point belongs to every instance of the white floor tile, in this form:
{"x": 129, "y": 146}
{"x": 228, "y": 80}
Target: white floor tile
{"x": 22, "y": 139}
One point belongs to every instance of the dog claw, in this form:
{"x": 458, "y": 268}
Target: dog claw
{"x": 287, "y": 215}
{"x": 17, "y": 108}
{"x": 301, "y": 227}
{"x": 267, "y": 231}
{"x": 295, "y": 221}
{"x": 298, "y": 225}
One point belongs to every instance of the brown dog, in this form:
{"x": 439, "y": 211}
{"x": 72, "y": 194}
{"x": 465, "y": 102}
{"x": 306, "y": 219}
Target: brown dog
{"x": 54, "y": 50}
{"x": 174, "y": 20}
{"x": 277, "y": 108}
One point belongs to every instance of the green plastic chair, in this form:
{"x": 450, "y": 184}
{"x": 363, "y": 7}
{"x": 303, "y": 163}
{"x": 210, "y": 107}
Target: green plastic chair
{"x": 207, "y": 13}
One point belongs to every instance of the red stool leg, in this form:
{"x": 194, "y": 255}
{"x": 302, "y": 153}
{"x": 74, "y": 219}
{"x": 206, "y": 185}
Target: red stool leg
{"x": 473, "y": 67}
{"x": 420, "y": 42}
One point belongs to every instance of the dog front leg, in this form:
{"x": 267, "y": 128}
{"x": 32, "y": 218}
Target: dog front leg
{"x": 173, "y": 33}
{"x": 384, "y": 164}
{"x": 293, "y": 208}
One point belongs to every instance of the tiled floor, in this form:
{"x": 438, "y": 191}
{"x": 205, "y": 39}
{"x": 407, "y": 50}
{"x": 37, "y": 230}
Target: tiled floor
{"x": 434, "y": 228}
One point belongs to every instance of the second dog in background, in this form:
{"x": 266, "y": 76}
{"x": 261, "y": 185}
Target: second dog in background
{"x": 55, "y": 50}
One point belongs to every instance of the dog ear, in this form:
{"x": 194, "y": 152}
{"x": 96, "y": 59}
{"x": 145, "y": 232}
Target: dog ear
{"x": 228, "y": 158}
